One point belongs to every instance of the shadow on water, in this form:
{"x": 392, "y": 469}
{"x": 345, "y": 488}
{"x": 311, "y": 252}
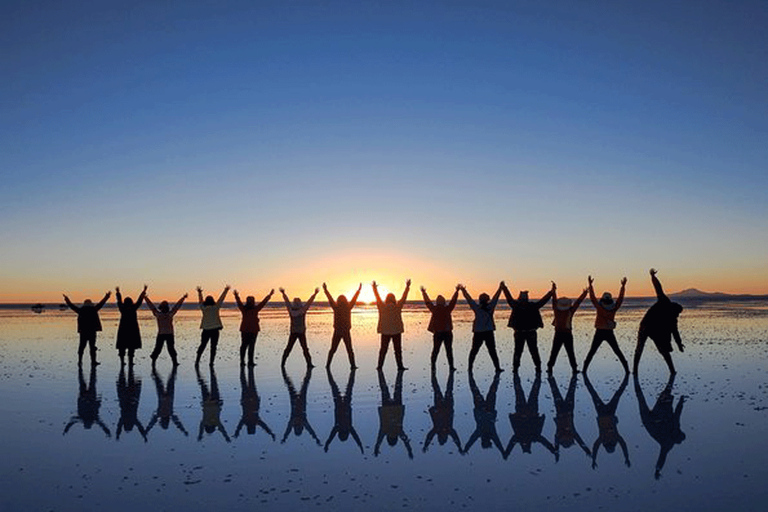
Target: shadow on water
{"x": 565, "y": 430}
{"x": 485, "y": 415}
{"x": 128, "y": 395}
{"x": 342, "y": 411}
{"x": 607, "y": 421}
{"x": 211, "y": 404}
{"x": 165, "y": 398}
{"x": 442, "y": 413}
{"x": 662, "y": 422}
{"x": 392, "y": 415}
{"x": 88, "y": 404}
{"x": 298, "y": 420}
{"x": 250, "y": 403}
{"x": 527, "y": 423}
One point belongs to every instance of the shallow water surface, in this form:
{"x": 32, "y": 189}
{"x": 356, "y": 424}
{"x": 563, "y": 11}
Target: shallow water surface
{"x": 233, "y": 439}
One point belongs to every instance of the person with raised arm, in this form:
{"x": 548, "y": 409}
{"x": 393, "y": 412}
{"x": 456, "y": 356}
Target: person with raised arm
{"x": 210, "y": 323}
{"x": 659, "y": 324}
{"x": 390, "y": 324}
{"x": 88, "y": 324}
{"x": 128, "y": 333}
{"x": 298, "y": 313}
{"x": 605, "y": 323}
{"x": 249, "y": 325}
{"x": 564, "y": 309}
{"x": 342, "y": 324}
{"x": 525, "y": 319}
{"x": 441, "y": 325}
{"x": 483, "y": 326}
{"x": 164, "y": 315}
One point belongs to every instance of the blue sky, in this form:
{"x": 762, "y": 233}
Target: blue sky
{"x": 188, "y": 142}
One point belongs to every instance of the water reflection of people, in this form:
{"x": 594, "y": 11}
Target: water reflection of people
{"x": 483, "y": 326}
{"x": 128, "y": 395}
{"x": 165, "y": 396}
{"x": 392, "y": 415}
{"x": 211, "y": 404}
{"x": 298, "y": 314}
{"x": 342, "y": 411}
{"x": 525, "y": 320}
{"x": 298, "y": 420}
{"x": 442, "y": 414}
{"x": 527, "y": 423}
{"x": 128, "y": 333}
{"x": 88, "y": 324}
{"x": 565, "y": 433}
{"x": 250, "y": 403}
{"x": 605, "y": 314}
{"x": 485, "y": 415}
{"x": 662, "y": 422}
{"x": 390, "y": 324}
{"x": 607, "y": 421}
{"x": 88, "y": 404}
{"x": 659, "y": 324}
{"x": 342, "y": 324}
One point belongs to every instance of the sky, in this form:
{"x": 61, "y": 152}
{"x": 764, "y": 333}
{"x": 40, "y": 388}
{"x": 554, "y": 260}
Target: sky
{"x": 267, "y": 144}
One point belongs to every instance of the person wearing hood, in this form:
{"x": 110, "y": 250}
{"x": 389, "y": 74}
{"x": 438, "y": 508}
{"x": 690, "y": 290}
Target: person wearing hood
{"x": 390, "y": 324}
{"x": 210, "y": 323}
{"x": 659, "y": 324}
{"x": 164, "y": 315}
{"x": 88, "y": 324}
{"x": 525, "y": 319}
{"x": 249, "y": 325}
{"x": 564, "y": 309}
{"x": 298, "y": 313}
{"x": 441, "y": 325}
{"x": 128, "y": 333}
{"x": 605, "y": 309}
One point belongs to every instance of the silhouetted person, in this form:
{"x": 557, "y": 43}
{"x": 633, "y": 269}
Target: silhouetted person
{"x": 298, "y": 420}
{"x": 390, "y": 324}
{"x": 249, "y": 325}
{"x": 525, "y": 319}
{"x": 88, "y": 324}
{"x": 342, "y": 324}
{"x": 659, "y": 324}
{"x": 565, "y": 434}
{"x": 211, "y": 404}
{"x": 88, "y": 404}
{"x": 210, "y": 323}
{"x": 392, "y": 415}
{"x": 483, "y": 326}
{"x": 605, "y": 312}
{"x": 441, "y": 325}
{"x": 128, "y": 395}
{"x": 164, "y": 315}
{"x": 165, "y": 396}
{"x": 527, "y": 423}
{"x": 128, "y": 334}
{"x": 662, "y": 422}
{"x": 607, "y": 421}
{"x": 250, "y": 402}
{"x": 485, "y": 415}
{"x": 564, "y": 309}
{"x": 442, "y": 414}
{"x": 342, "y": 411}
{"x": 298, "y": 314}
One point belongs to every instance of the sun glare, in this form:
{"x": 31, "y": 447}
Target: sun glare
{"x": 366, "y": 293}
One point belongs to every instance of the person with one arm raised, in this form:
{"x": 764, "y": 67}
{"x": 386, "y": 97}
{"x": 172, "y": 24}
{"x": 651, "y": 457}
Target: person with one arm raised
{"x": 659, "y": 324}
{"x": 390, "y": 324}
{"x": 249, "y": 325}
{"x": 298, "y": 314}
{"x": 342, "y": 324}
{"x": 88, "y": 324}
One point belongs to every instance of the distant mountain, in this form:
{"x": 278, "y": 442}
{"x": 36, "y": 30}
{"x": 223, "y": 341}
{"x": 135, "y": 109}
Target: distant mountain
{"x": 693, "y": 293}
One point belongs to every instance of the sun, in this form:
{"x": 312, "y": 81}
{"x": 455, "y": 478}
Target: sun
{"x": 366, "y": 293}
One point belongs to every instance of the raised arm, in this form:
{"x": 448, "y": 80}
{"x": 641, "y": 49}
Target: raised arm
{"x": 455, "y": 298}
{"x": 591, "y": 290}
{"x": 554, "y": 295}
{"x": 223, "y": 295}
{"x": 200, "y": 295}
{"x": 579, "y": 300}
{"x": 118, "y": 296}
{"x": 546, "y": 297}
{"x": 328, "y": 295}
{"x": 311, "y": 299}
{"x": 178, "y": 303}
{"x": 141, "y": 297}
{"x": 103, "y": 301}
{"x": 621, "y": 292}
{"x": 265, "y": 300}
{"x": 427, "y": 302}
{"x": 508, "y": 295}
{"x": 285, "y": 298}
{"x": 72, "y": 307}
{"x": 152, "y": 308}
{"x": 376, "y": 293}
{"x": 355, "y": 296}
{"x": 467, "y": 296}
{"x": 495, "y": 298}
{"x": 657, "y": 285}
{"x": 405, "y": 295}
{"x": 238, "y": 301}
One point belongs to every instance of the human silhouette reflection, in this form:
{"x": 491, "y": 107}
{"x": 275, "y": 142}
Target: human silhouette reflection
{"x": 211, "y": 404}
{"x": 128, "y": 395}
{"x": 442, "y": 414}
{"x": 391, "y": 415}
{"x": 527, "y": 423}
{"x": 566, "y": 434}
{"x": 485, "y": 415}
{"x": 298, "y": 420}
{"x": 662, "y": 422}
{"x": 165, "y": 395}
{"x": 88, "y": 404}
{"x": 342, "y": 411}
{"x": 250, "y": 402}
{"x": 607, "y": 421}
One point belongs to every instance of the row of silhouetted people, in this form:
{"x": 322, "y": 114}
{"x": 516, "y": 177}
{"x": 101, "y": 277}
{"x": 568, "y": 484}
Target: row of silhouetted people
{"x": 662, "y": 421}
{"x": 659, "y": 324}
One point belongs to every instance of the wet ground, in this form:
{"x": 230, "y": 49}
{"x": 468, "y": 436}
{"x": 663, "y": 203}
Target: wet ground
{"x": 226, "y": 439}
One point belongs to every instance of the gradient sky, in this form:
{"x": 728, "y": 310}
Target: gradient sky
{"x": 267, "y": 144}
